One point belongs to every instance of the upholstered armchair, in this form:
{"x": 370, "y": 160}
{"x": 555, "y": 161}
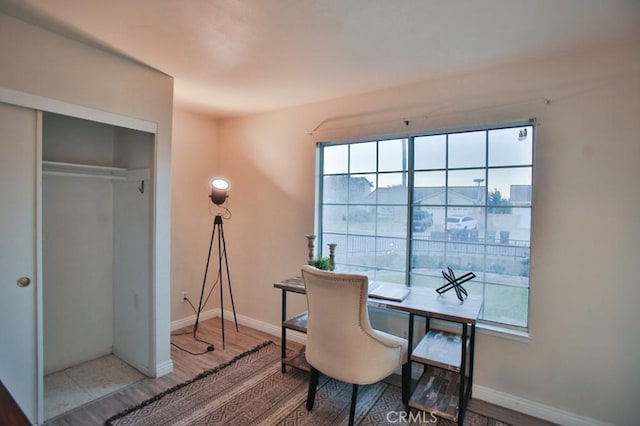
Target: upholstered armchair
{"x": 341, "y": 343}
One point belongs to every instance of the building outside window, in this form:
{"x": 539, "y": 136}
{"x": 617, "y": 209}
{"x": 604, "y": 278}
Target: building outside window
{"x": 403, "y": 209}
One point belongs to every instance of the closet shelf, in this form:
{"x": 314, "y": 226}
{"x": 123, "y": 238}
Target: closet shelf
{"x": 56, "y": 168}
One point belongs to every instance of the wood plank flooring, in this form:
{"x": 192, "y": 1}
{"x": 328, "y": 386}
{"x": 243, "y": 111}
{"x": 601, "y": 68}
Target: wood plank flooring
{"x": 10, "y": 412}
{"x": 504, "y": 415}
{"x": 187, "y": 366}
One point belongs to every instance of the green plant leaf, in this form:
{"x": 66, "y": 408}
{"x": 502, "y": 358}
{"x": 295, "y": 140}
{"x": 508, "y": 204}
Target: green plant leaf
{"x": 322, "y": 263}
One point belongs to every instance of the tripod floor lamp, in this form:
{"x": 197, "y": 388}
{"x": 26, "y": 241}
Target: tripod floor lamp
{"x": 219, "y": 189}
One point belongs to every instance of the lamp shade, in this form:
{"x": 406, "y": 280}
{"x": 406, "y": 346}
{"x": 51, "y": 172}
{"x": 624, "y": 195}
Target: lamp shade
{"x": 219, "y": 188}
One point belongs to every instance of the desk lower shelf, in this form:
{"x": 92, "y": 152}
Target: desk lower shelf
{"x": 440, "y": 349}
{"x": 297, "y": 323}
{"x": 298, "y": 360}
{"x": 437, "y": 392}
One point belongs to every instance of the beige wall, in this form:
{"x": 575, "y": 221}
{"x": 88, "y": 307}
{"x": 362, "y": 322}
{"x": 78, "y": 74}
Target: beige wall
{"x": 194, "y": 158}
{"x": 583, "y": 355}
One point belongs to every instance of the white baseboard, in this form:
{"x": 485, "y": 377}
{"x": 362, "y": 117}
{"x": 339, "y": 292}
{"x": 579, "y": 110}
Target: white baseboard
{"x": 160, "y": 370}
{"x": 535, "y": 409}
{"x": 144, "y": 369}
{"x": 164, "y": 368}
{"x": 274, "y": 330}
{"x": 191, "y": 320}
{"x": 483, "y": 393}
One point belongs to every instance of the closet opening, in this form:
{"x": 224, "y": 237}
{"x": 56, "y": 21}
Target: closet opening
{"x": 97, "y": 259}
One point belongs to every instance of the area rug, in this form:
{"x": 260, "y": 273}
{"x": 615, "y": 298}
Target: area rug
{"x": 251, "y": 390}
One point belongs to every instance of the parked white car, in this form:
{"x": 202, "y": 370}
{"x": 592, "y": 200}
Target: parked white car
{"x": 459, "y": 223}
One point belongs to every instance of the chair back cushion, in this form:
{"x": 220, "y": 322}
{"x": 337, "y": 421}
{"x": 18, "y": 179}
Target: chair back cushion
{"x": 340, "y": 340}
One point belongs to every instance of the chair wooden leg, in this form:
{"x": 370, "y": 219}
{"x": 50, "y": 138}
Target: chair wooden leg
{"x": 406, "y": 382}
{"x": 313, "y": 384}
{"x": 354, "y": 398}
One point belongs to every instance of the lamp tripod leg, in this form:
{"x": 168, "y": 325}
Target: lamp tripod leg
{"x": 204, "y": 282}
{"x": 226, "y": 262}
{"x": 220, "y": 283}
{"x": 222, "y": 252}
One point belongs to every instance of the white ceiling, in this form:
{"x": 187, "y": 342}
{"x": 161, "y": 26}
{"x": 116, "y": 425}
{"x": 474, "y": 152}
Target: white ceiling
{"x": 233, "y": 57}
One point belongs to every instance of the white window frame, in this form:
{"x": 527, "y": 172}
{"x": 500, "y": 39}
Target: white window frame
{"x": 409, "y": 239}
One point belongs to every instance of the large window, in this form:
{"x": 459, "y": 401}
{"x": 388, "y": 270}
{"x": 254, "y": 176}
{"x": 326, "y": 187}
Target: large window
{"x": 402, "y": 210}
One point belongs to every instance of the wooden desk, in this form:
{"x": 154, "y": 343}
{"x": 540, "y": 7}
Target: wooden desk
{"x": 445, "y": 385}
{"x": 297, "y": 323}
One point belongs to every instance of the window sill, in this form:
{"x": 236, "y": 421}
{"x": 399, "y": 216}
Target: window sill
{"x": 504, "y": 332}
{"x": 481, "y": 328}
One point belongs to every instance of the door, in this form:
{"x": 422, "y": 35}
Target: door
{"x": 18, "y": 306}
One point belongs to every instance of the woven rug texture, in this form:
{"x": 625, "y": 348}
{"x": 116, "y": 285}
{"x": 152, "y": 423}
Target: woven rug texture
{"x": 251, "y": 390}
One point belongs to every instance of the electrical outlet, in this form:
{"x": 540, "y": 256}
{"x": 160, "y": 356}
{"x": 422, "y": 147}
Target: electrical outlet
{"x": 184, "y": 296}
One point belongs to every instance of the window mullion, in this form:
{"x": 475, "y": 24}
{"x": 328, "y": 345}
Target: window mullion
{"x": 409, "y": 231}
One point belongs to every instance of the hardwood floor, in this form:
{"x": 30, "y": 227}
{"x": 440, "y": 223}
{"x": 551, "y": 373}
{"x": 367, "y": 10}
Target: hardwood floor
{"x": 504, "y": 415}
{"x": 10, "y": 412}
{"x": 187, "y": 366}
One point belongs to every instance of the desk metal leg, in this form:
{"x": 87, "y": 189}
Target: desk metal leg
{"x": 472, "y": 357}
{"x": 408, "y": 370}
{"x": 284, "y": 330}
{"x": 462, "y": 405}
{"x": 410, "y": 333}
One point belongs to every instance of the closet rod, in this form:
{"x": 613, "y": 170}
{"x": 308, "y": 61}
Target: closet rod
{"x": 60, "y": 166}
{"x": 83, "y": 175}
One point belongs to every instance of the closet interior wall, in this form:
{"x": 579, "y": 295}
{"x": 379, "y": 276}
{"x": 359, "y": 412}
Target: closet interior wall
{"x": 97, "y": 195}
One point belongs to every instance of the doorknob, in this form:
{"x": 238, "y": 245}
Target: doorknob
{"x": 23, "y": 281}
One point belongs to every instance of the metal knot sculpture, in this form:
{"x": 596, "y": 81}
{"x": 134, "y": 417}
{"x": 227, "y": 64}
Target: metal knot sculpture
{"x": 455, "y": 283}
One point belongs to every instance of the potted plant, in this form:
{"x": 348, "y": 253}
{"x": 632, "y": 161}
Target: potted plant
{"x": 322, "y": 263}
